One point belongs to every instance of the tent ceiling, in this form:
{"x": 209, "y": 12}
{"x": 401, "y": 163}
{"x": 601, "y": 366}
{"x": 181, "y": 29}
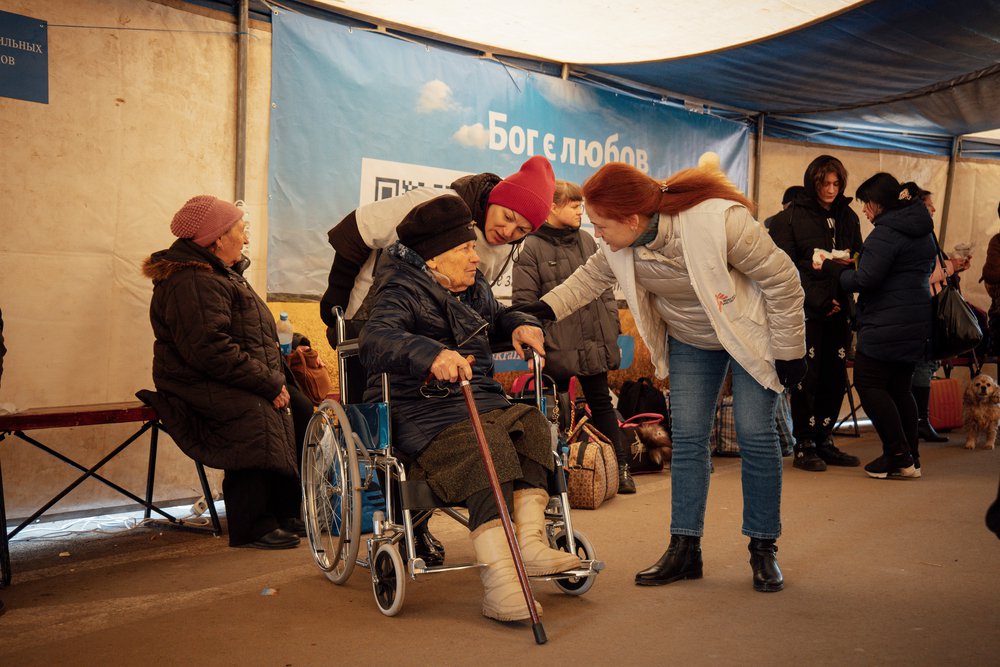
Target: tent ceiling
{"x": 905, "y": 74}
{"x": 597, "y": 31}
{"x": 923, "y": 66}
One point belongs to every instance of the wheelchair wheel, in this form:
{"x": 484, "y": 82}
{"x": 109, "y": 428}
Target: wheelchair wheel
{"x": 331, "y": 498}
{"x": 388, "y": 579}
{"x": 585, "y": 550}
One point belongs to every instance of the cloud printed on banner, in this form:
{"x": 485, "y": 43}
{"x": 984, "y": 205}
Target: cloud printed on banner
{"x": 435, "y": 96}
{"x": 473, "y": 136}
{"x": 567, "y": 94}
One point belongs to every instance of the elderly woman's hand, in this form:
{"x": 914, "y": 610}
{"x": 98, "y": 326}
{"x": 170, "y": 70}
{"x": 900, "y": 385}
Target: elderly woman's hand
{"x": 532, "y": 337}
{"x": 282, "y": 399}
{"x": 450, "y": 366}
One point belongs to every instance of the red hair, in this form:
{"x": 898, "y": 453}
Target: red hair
{"x": 618, "y": 190}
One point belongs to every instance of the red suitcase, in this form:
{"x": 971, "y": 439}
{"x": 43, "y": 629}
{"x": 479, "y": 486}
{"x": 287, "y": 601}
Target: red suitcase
{"x": 945, "y": 407}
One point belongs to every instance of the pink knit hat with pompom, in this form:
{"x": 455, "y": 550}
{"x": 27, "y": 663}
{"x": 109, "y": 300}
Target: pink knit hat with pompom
{"x": 205, "y": 218}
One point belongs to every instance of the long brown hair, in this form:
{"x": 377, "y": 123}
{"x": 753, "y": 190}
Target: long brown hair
{"x": 618, "y": 190}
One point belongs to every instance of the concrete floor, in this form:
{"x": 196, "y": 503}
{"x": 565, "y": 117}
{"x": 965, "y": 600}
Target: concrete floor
{"x": 877, "y": 572}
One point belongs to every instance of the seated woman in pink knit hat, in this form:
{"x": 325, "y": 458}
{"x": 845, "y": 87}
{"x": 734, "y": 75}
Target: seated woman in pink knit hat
{"x": 221, "y": 389}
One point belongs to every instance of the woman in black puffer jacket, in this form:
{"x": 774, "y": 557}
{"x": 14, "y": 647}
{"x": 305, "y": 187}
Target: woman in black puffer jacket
{"x": 218, "y": 372}
{"x": 893, "y": 317}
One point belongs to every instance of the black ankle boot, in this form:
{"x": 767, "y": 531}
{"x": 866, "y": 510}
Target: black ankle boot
{"x": 927, "y": 433}
{"x": 681, "y": 561}
{"x": 626, "y": 484}
{"x": 427, "y": 546}
{"x": 763, "y": 560}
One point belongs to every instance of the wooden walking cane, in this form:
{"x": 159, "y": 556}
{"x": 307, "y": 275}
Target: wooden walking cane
{"x": 508, "y": 528}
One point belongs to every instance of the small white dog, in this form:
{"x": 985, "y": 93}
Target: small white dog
{"x": 981, "y": 411}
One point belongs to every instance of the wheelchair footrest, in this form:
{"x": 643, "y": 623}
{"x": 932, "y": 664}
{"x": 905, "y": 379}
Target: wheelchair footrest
{"x": 588, "y": 568}
{"x": 418, "y": 567}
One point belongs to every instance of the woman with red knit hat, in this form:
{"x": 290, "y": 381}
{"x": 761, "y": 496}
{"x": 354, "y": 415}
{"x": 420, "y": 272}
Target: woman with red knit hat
{"x": 217, "y": 367}
{"x": 504, "y": 212}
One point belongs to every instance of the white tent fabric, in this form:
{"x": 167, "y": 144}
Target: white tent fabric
{"x": 597, "y": 31}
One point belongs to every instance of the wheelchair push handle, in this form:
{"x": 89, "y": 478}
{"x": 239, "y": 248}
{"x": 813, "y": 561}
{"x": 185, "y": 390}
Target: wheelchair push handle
{"x": 508, "y": 527}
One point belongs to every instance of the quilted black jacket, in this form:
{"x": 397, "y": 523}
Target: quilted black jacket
{"x": 413, "y": 320}
{"x": 216, "y": 363}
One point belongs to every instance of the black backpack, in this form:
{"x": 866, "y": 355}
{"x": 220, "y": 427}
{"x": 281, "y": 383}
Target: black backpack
{"x": 641, "y": 396}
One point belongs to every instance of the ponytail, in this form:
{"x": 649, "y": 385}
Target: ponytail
{"x": 618, "y": 190}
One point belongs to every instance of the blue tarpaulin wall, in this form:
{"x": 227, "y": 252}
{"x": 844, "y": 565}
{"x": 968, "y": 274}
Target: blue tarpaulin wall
{"x": 359, "y": 115}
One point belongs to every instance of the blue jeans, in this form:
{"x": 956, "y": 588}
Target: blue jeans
{"x": 696, "y": 377}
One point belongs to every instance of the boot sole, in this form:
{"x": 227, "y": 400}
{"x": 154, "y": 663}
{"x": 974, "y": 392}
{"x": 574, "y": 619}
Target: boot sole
{"x": 668, "y": 580}
{"x": 768, "y": 588}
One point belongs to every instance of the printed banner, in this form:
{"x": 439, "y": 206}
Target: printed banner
{"x": 358, "y": 116}
{"x": 24, "y": 58}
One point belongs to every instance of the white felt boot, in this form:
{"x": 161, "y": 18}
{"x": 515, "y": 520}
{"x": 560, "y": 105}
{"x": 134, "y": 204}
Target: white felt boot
{"x": 538, "y": 557}
{"x": 503, "y": 599}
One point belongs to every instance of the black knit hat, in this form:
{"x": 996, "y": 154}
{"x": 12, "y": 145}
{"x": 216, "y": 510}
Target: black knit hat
{"x": 437, "y": 226}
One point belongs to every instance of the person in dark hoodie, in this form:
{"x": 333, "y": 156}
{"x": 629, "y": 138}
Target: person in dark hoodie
{"x": 893, "y": 319}
{"x": 220, "y": 383}
{"x": 820, "y": 218}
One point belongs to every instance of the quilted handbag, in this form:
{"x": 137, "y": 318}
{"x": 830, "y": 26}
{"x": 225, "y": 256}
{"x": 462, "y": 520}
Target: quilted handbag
{"x": 591, "y": 468}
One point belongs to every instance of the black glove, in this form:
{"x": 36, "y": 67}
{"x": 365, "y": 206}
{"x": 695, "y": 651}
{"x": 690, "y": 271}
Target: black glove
{"x": 834, "y": 269}
{"x": 538, "y": 309}
{"x": 790, "y": 371}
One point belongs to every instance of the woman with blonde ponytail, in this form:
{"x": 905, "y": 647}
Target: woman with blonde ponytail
{"x": 709, "y": 292}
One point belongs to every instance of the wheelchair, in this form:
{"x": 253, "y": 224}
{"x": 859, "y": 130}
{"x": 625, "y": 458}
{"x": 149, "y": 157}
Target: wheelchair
{"x": 347, "y": 448}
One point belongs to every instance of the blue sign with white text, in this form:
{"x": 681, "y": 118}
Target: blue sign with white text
{"x": 24, "y": 58}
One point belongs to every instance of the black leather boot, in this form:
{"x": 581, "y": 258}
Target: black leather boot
{"x": 427, "y": 546}
{"x": 927, "y": 433}
{"x": 626, "y": 484}
{"x": 682, "y": 560}
{"x": 763, "y": 560}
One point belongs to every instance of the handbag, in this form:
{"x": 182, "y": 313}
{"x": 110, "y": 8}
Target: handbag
{"x": 591, "y": 467}
{"x": 954, "y": 327}
{"x": 309, "y": 372}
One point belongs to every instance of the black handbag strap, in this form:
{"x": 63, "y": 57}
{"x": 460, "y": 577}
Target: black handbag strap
{"x": 949, "y": 278}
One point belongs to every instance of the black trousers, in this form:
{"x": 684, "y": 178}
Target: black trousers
{"x": 602, "y": 413}
{"x": 884, "y": 389}
{"x": 257, "y": 501}
{"x": 817, "y": 399}
{"x": 481, "y": 505}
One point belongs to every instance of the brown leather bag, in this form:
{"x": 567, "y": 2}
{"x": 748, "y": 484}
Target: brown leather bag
{"x": 309, "y": 372}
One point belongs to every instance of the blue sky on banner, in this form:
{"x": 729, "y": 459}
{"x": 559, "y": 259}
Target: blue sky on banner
{"x": 357, "y": 116}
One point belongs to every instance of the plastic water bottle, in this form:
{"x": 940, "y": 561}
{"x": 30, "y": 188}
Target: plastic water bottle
{"x": 285, "y": 334}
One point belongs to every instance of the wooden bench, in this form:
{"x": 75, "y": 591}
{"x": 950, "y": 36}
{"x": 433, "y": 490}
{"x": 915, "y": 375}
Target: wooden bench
{"x": 92, "y": 415}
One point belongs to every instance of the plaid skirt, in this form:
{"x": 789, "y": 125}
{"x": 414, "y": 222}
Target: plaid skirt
{"x": 453, "y": 467}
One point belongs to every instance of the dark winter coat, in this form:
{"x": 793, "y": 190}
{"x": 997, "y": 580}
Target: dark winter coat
{"x": 894, "y": 304}
{"x": 804, "y": 226}
{"x": 586, "y": 342}
{"x": 413, "y": 320}
{"x": 216, "y": 363}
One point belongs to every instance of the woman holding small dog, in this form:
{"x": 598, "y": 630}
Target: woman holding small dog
{"x": 709, "y": 291}
{"x": 893, "y": 317}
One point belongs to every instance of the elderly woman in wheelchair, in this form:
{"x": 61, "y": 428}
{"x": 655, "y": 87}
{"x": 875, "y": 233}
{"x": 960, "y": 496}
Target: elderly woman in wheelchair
{"x": 432, "y": 326}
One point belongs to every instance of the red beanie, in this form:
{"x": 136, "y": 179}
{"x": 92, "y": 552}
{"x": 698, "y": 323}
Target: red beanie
{"x": 205, "y": 218}
{"x": 528, "y": 192}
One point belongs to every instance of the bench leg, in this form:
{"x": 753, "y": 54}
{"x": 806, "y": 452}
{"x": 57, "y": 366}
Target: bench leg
{"x": 207, "y": 491}
{"x": 4, "y": 539}
{"x": 151, "y": 470}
